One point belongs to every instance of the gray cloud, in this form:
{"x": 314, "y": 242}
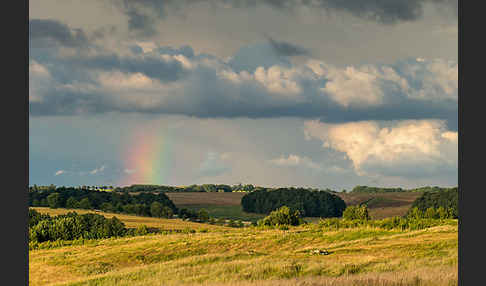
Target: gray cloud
{"x": 143, "y": 15}
{"x": 47, "y": 36}
{"x": 287, "y": 49}
{"x": 52, "y": 32}
{"x": 256, "y": 83}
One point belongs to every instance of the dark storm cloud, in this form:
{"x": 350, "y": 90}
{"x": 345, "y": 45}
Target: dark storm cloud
{"x": 381, "y": 11}
{"x": 143, "y": 15}
{"x": 204, "y": 94}
{"x": 46, "y": 36}
{"x": 52, "y": 32}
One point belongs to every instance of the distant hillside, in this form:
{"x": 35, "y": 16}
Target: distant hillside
{"x": 367, "y": 189}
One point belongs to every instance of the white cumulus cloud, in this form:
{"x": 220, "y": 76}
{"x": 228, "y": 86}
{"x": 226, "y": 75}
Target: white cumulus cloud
{"x": 397, "y": 148}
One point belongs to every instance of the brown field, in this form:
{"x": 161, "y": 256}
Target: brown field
{"x": 203, "y": 198}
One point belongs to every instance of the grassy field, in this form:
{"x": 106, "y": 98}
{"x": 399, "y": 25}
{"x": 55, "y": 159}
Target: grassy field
{"x": 219, "y": 205}
{"x": 233, "y": 212}
{"x": 252, "y": 256}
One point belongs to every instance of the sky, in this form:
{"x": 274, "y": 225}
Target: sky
{"x": 306, "y": 93}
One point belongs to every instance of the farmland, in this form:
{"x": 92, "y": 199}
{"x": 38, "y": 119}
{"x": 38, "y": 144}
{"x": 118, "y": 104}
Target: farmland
{"x": 227, "y": 205}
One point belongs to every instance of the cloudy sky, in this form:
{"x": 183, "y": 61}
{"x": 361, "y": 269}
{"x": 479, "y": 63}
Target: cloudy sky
{"x": 315, "y": 93}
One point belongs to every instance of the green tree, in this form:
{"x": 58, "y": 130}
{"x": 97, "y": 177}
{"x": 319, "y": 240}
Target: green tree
{"x": 167, "y": 212}
{"x": 71, "y": 203}
{"x": 156, "y": 209}
{"x": 442, "y": 213}
{"x": 54, "y": 200}
{"x": 431, "y": 213}
{"x": 356, "y": 212}
{"x": 85, "y": 203}
{"x": 415, "y": 213}
{"x": 362, "y": 213}
{"x": 282, "y": 216}
{"x": 203, "y": 215}
{"x": 107, "y": 207}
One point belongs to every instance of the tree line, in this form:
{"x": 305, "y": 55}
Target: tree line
{"x": 144, "y": 204}
{"x": 198, "y": 188}
{"x": 368, "y": 189}
{"x": 447, "y": 200}
{"x": 308, "y": 203}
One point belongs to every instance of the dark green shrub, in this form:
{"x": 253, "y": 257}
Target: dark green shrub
{"x": 282, "y": 216}
{"x": 203, "y": 215}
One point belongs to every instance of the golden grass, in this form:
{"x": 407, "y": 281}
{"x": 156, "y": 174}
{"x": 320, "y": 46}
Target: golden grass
{"x": 252, "y": 256}
{"x": 132, "y": 221}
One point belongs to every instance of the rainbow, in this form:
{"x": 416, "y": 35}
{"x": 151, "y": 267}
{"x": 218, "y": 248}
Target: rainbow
{"x": 148, "y": 159}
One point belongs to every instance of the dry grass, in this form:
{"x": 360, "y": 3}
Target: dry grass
{"x": 251, "y": 256}
{"x": 430, "y": 276}
{"x": 132, "y": 221}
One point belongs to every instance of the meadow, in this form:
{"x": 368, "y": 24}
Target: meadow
{"x": 255, "y": 256}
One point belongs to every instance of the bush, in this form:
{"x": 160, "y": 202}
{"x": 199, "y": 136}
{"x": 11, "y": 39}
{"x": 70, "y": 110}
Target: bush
{"x": 203, "y": 215}
{"x": 282, "y": 216}
{"x": 142, "y": 230}
{"x": 356, "y": 212}
{"x": 73, "y": 226}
